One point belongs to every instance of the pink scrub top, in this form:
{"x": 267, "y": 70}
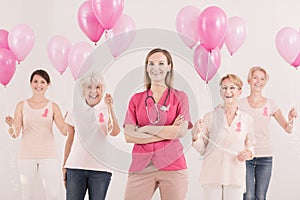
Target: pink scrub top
{"x": 165, "y": 155}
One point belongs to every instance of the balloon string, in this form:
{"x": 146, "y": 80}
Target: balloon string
{"x": 208, "y": 66}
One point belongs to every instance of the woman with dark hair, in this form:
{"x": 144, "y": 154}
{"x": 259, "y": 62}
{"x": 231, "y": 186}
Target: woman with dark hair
{"x": 156, "y": 118}
{"x": 34, "y": 118}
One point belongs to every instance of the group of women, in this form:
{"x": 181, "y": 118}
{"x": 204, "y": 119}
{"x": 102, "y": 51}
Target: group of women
{"x": 234, "y": 138}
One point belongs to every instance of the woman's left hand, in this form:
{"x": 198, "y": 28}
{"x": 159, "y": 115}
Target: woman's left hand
{"x": 244, "y": 155}
{"x": 179, "y": 120}
{"x": 108, "y": 99}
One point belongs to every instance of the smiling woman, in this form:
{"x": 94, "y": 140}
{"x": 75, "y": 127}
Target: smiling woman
{"x": 225, "y": 138}
{"x": 34, "y": 117}
{"x": 82, "y": 171}
{"x": 155, "y": 128}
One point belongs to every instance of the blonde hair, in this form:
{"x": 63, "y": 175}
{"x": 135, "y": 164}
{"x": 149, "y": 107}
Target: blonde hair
{"x": 169, "y": 80}
{"x": 233, "y": 78}
{"x": 257, "y": 68}
{"x": 93, "y": 78}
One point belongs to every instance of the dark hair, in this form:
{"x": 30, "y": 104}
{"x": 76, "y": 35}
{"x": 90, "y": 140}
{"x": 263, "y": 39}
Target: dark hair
{"x": 170, "y": 75}
{"x": 41, "y": 73}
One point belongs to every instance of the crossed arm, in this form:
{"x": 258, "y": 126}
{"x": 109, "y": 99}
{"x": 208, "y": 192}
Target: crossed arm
{"x": 150, "y": 133}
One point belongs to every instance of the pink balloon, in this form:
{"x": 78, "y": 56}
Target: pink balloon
{"x": 108, "y": 11}
{"x": 88, "y": 22}
{"x": 296, "y": 62}
{"x": 20, "y": 41}
{"x": 58, "y": 51}
{"x": 236, "y": 34}
{"x": 7, "y": 66}
{"x": 206, "y": 63}
{"x": 186, "y": 25}
{"x": 288, "y": 44}
{"x": 3, "y": 39}
{"x": 77, "y": 55}
{"x": 212, "y": 25}
{"x": 120, "y": 37}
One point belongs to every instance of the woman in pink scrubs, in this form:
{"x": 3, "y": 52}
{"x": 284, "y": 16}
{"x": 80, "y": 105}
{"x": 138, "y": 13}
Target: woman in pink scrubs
{"x": 155, "y": 120}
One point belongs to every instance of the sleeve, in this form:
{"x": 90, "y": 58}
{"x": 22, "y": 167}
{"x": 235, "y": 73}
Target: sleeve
{"x": 273, "y": 107}
{"x": 250, "y": 138}
{"x": 70, "y": 118}
{"x": 184, "y": 108}
{"x": 131, "y": 117}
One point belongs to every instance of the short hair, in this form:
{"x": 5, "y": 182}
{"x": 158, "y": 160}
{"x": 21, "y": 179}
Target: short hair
{"x": 92, "y": 78}
{"x": 169, "y": 80}
{"x": 257, "y": 68}
{"x": 233, "y": 78}
{"x": 42, "y": 73}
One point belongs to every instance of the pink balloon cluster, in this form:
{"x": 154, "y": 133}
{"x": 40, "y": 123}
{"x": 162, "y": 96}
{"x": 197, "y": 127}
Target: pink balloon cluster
{"x": 288, "y": 45}
{"x": 95, "y": 16}
{"x": 14, "y": 46}
{"x": 62, "y": 54}
{"x": 211, "y": 29}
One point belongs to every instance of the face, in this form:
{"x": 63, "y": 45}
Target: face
{"x": 158, "y": 68}
{"x": 39, "y": 85}
{"x": 93, "y": 94}
{"x": 229, "y": 91}
{"x": 257, "y": 81}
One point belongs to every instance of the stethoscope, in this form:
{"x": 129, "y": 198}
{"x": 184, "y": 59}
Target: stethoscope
{"x": 164, "y": 107}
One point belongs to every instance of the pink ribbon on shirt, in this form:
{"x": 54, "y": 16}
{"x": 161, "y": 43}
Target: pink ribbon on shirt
{"x": 45, "y": 113}
{"x": 265, "y": 113}
{"x": 101, "y": 117}
{"x": 238, "y": 127}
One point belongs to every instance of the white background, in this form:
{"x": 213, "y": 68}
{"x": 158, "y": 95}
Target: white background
{"x": 59, "y": 17}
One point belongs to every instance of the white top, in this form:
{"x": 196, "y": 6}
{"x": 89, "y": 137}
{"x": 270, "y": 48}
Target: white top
{"x": 220, "y": 163}
{"x": 93, "y": 121}
{"x": 261, "y": 119}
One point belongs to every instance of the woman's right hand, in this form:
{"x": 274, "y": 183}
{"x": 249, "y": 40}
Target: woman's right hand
{"x": 9, "y": 120}
{"x": 198, "y": 128}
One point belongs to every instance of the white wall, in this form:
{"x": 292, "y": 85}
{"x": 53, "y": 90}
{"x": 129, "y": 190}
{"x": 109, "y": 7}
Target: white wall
{"x": 264, "y": 19}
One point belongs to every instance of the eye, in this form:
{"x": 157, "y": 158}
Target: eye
{"x": 150, "y": 64}
{"x": 161, "y": 63}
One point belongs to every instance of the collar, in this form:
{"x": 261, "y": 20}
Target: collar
{"x": 97, "y": 107}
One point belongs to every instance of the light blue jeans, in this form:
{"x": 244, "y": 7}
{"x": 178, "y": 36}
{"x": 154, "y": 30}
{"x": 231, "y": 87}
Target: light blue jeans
{"x": 78, "y": 181}
{"x": 258, "y": 175}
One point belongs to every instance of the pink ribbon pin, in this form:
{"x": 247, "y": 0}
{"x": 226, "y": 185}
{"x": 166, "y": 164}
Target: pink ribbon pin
{"x": 238, "y": 127}
{"x": 45, "y": 113}
{"x": 101, "y": 117}
{"x": 265, "y": 113}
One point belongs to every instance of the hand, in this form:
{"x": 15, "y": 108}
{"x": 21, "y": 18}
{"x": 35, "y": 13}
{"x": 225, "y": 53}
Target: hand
{"x": 9, "y": 120}
{"x": 64, "y": 172}
{"x": 108, "y": 99}
{"x": 198, "y": 128}
{"x": 179, "y": 120}
{"x": 292, "y": 114}
{"x": 244, "y": 155}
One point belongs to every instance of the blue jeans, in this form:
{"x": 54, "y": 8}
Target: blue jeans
{"x": 78, "y": 181}
{"x": 258, "y": 175}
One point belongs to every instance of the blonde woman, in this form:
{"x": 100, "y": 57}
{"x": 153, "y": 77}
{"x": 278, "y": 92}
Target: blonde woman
{"x": 262, "y": 109}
